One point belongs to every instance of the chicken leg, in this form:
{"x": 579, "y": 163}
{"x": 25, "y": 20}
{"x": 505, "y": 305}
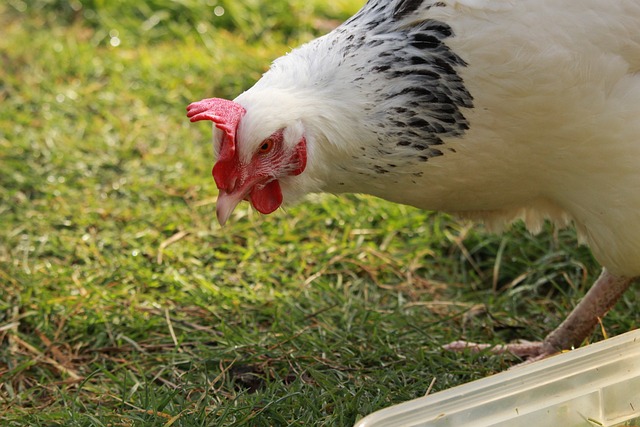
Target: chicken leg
{"x": 602, "y": 296}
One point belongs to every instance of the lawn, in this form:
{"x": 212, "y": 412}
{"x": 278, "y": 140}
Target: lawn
{"x": 124, "y": 303}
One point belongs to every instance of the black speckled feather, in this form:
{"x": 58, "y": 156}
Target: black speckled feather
{"x": 405, "y": 7}
{"x": 400, "y": 58}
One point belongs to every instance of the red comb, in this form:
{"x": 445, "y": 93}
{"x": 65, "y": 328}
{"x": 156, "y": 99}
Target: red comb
{"x": 225, "y": 114}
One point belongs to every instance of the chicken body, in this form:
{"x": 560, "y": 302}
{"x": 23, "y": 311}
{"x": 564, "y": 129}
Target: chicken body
{"x": 494, "y": 110}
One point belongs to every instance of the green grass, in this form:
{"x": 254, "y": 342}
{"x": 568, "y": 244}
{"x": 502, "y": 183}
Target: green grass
{"x": 123, "y": 303}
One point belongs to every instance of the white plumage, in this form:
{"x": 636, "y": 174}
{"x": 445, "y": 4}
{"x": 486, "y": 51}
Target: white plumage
{"x": 495, "y": 110}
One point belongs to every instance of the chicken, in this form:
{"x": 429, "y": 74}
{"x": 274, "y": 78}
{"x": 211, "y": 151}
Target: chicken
{"x": 494, "y": 110}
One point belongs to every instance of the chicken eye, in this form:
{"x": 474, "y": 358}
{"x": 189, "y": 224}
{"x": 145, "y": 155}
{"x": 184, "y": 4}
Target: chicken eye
{"x": 266, "y": 146}
{"x": 274, "y": 141}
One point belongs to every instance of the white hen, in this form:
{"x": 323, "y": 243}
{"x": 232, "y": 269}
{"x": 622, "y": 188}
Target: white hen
{"x": 495, "y": 110}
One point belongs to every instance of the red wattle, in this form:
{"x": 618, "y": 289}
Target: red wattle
{"x": 268, "y": 198}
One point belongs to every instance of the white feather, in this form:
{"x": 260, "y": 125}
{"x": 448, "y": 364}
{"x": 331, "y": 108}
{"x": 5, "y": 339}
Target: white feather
{"x": 554, "y": 132}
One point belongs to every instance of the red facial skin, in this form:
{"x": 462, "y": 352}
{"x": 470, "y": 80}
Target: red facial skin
{"x": 256, "y": 181}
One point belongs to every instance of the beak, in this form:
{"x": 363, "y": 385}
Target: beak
{"x": 225, "y": 205}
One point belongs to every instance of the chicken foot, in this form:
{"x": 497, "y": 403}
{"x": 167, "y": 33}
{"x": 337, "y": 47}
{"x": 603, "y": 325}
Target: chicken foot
{"x": 602, "y": 296}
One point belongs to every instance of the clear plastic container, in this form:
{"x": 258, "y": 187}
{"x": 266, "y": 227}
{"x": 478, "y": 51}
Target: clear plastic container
{"x": 597, "y": 385}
